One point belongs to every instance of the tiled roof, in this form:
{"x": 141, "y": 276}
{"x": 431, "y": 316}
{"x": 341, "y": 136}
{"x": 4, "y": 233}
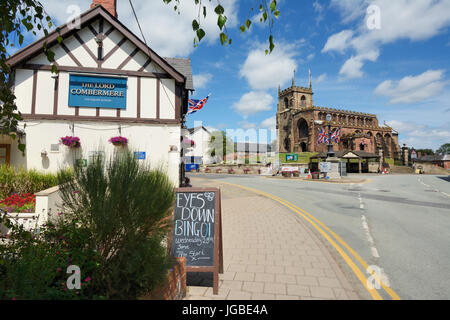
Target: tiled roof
{"x": 183, "y": 66}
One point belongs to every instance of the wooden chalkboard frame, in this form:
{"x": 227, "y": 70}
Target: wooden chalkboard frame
{"x": 218, "y": 240}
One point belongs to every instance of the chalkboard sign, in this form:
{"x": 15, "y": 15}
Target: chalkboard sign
{"x": 197, "y": 230}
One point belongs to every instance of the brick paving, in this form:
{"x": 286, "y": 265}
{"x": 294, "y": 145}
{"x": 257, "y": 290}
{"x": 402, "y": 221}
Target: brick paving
{"x": 269, "y": 254}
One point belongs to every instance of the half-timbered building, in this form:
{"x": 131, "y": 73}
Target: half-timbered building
{"x": 109, "y": 84}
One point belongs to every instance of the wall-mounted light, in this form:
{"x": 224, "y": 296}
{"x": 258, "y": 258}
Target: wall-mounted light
{"x": 44, "y": 153}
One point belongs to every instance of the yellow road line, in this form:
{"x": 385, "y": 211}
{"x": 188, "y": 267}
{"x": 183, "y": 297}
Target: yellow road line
{"x": 308, "y": 217}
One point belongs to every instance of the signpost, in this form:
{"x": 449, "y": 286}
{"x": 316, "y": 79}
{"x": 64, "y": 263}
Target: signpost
{"x": 197, "y": 233}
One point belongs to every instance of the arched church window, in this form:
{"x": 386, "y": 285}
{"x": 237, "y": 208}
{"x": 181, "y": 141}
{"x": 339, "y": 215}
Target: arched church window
{"x": 303, "y": 101}
{"x": 303, "y": 128}
{"x": 286, "y": 103}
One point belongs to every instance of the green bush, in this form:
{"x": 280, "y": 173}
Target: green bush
{"x": 34, "y": 268}
{"x": 113, "y": 226}
{"x": 24, "y": 181}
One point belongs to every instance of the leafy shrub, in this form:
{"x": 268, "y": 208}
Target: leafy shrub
{"x": 34, "y": 267}
{"x": 113, "y": 226}
{"x": 124, "y": 205}
{"x": 22, "y": 181}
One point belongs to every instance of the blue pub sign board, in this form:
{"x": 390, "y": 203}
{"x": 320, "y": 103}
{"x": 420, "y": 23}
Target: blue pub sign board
{"x": 97, "y": 92}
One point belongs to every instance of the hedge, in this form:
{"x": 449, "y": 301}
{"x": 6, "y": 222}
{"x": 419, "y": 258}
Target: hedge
{"x": 24, "y": 181}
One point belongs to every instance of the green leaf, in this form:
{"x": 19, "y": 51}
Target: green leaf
{"x": 242, "y": 28}
{"x": 221, "y": 21}
{"x": 271, "y": 45}
{"x": 273, "y": 5}
{"x": 276, "y": 14}
{"x": 200, "y": 34}
{"x": 21, "y": 147}
{"x": 248, "y": 23}
{"x": 219, "y": 10}
{"x": 223, "y": 38}
{"x": 195, "y": 25}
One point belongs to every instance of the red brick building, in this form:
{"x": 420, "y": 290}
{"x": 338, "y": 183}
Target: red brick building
{"x": 299, "y": 121}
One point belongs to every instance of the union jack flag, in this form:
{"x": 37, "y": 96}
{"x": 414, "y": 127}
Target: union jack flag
{"x": 196, "y": 105}
{"x": 322, "y": 137}
{"x": 336, "y": 135}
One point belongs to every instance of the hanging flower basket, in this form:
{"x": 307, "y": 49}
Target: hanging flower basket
{"x": 119, "y": 141}
{"x": 71, "y": 142}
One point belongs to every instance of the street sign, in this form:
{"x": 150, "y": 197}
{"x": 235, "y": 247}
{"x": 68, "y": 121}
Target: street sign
{"x": 291, "y": 157}
{"x": 140, "y": 155}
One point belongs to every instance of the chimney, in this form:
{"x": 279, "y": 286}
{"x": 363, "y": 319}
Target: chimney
{"x": 110, "y": 5}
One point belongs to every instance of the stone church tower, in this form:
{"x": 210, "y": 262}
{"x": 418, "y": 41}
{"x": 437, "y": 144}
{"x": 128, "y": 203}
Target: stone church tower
{"x": 298, "y": 123}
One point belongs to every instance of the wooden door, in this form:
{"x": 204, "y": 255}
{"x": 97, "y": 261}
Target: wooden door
{"x": 5, "y": 154}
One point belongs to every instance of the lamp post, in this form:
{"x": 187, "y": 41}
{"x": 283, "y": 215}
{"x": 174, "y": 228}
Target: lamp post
{"x": 331, "y": 153}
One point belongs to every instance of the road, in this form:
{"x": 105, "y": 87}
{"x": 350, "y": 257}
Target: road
{"x": 399, "y": 223}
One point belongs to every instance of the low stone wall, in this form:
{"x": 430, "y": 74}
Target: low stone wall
{"x": 235, "y": 169}
{"x": 175, "y": 286}
{"x": 430, "y": 168}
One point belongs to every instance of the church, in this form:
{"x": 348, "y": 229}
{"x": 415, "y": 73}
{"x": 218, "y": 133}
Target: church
{"x": 299, "y": 121}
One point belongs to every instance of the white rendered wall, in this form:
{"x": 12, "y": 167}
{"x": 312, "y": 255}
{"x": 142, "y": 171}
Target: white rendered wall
{"x": 155, "y": 140}
{"x": 201, "y": 148}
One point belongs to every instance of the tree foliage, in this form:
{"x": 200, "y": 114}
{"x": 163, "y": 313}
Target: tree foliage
{"x": 17, "y": 18}
{"x": 267, "y": 9}
{"x": 444, "y": 149}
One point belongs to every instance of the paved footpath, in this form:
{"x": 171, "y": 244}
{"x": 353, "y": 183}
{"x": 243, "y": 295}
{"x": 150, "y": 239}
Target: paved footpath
{"x": 269, "y": 254}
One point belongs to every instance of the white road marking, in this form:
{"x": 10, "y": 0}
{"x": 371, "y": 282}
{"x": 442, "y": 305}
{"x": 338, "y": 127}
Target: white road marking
{"x": 435, "y": 190}
{"x": 373, "y": 248}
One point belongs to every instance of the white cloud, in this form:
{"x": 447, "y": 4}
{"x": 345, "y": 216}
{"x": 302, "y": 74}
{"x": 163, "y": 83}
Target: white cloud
{"x": 338, "y": 42}
{"x": 246, "y": 125}
{"x": 421, "y": 136}
{"x": 268, "y": 71}
{"x": 319, "y": 8}
{"x": 320, "y": 78}
{"x": 413, "y": 88}
{"x": 201, "y": 80}
{"x": 166, "y": 32}
{"x": 269, "y": 123}
{"x": 400, "y": 19}
{"x": 253, "y": 102}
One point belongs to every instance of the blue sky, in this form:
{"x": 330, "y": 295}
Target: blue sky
{"x": 379, "y": 56}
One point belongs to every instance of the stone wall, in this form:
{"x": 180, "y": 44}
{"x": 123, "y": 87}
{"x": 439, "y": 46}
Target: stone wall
{"x": 236, "y": 168}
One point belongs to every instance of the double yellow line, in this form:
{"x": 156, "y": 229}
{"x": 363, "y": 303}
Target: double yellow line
{"x": 323, "y": 229}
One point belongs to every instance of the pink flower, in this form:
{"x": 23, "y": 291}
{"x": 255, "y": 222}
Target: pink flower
{"x": 87, "y": 279}
{"x": 75, "y": 192}
{"x": 59, "y": 270}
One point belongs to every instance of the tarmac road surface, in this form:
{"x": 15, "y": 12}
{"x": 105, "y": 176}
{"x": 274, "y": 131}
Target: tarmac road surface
{"x": 397, "y": 223}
